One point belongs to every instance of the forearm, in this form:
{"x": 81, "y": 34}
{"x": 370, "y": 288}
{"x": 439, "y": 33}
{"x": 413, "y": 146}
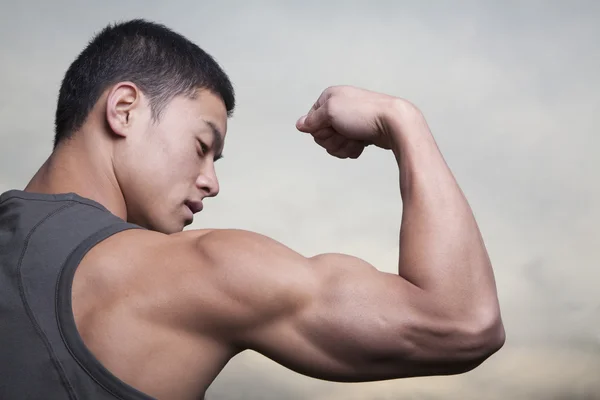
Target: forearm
{"x": 441, "y": 248}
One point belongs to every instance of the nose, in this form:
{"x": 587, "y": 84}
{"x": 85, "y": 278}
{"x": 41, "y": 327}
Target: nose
{"x": 207, "y": 181}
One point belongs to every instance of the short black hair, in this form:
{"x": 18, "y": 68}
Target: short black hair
{"x": 161, "y": 62}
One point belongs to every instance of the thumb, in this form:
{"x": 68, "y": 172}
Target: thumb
{"x": 313, "y": 121}
{"x": 300, "y": 124}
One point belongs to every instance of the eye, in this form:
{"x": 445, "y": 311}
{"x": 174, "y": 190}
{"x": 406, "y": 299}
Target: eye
{"x": 203, "y": 148}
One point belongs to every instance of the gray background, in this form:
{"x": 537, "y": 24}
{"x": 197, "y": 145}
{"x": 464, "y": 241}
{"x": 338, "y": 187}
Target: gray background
{"x": 510, "y": 89}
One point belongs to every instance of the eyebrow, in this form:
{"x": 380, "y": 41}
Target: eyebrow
{"x": 217, "y": 139}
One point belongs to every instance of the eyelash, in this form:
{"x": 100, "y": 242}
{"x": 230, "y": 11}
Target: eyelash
{"x": 203, "y": 148}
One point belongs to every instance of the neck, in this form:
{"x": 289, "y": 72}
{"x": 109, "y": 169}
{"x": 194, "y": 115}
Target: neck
{"x": 82, "y": 168}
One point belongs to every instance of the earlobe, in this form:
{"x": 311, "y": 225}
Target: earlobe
{"x": 121, "y": 101}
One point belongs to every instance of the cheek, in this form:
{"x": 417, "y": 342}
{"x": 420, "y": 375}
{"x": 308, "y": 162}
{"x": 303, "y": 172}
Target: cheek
{"x": 177, "y": 167}
{"x": 167, "y": 163}
{"x": 156, "y": 162}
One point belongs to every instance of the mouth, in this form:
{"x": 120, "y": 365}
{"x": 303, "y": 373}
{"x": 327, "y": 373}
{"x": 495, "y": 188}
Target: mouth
{"x": 194, "y": 206}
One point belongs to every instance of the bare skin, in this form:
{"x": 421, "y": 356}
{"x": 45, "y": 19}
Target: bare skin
{"x": 164, "y": 310}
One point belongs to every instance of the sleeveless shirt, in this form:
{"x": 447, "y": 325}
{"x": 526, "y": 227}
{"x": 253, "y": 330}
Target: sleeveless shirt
{"x": 43, "y": 238}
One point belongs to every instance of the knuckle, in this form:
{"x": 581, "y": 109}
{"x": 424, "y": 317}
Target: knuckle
{"x": 330, "y": 108}
{"x": 336, "y": 90}
{"x": 326, "y": 108}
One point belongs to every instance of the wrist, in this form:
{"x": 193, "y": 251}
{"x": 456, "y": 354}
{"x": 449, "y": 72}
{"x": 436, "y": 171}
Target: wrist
{"x": 403, "y": 123}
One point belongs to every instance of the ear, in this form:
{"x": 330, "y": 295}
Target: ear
{"x": 122, "y": 102}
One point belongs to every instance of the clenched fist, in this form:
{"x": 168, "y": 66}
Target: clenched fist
{"x": 345, "y": 119}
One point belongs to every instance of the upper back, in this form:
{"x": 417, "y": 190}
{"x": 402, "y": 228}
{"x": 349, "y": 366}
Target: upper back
{"x": 43, "y": 237}
{"x": 131, "y": 303}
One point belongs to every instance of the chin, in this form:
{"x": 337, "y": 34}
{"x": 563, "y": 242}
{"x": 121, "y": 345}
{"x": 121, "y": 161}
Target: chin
{"x": 175, "y": 228}
{"x": 167, "y": 228}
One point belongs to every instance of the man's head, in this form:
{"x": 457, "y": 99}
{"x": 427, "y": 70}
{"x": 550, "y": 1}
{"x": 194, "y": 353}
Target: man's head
{"x": 157, "y": 106}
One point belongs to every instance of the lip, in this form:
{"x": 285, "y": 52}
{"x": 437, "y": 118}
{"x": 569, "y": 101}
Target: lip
{"x": 194, "y": 206}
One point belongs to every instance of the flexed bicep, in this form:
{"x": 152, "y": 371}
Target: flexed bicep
{"x": 333, "y": 316}
{"x": 360, "y": 324}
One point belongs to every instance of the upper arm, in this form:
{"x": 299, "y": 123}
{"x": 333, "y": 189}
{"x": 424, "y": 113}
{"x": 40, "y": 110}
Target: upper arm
{"x": 332, "y": 316}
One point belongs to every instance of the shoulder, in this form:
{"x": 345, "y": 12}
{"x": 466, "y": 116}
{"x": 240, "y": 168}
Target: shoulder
{"x": 127, "y": 249}
{"x": 226, "y": 285}
{"x": 135, "y": 263}
{"x": 222, "y": 276}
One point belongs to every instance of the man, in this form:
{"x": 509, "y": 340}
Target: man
{"x": 104, "y": 296}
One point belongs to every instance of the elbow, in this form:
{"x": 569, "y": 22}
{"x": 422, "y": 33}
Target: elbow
{"x": 460, "y": 342}
{"x": 483, "y": 337}
{"x": 499, "y": 336}
{"x": 471, "y": 341}
{"x": 490, "y": 335}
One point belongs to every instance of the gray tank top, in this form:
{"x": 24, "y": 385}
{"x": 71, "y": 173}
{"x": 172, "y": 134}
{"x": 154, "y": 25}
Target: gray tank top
{"x": 43, "y": 237}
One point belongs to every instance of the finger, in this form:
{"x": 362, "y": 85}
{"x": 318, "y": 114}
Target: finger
{"x": 352, "y": 149}
{"x": 324, "y": 133}
{"x": 355, "y": 149}
{"x": 323, "y": 97}
{"x": 333, "y": 143}
{"x": 314, "y": 120}
{"x": 317, "y": 118}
